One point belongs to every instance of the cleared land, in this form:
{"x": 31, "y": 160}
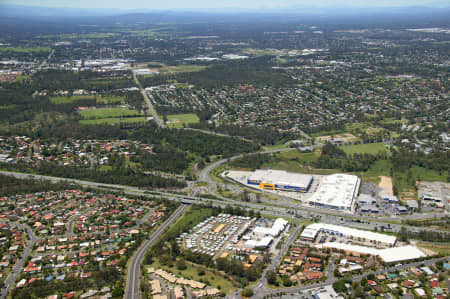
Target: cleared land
{"x": 23, "y": 50}
{"x": 112, "y": 121}
{"x": 68, "y": 100}
{"x": 386, "y": 184}
{"x": 181, "y": 69}
{"x": 116, "y": 112}
{"x": 110, "y": 99}
{"x": 177, "y": 120}
{"x": 368, "y": 148}
{"x": 171, "y": 69}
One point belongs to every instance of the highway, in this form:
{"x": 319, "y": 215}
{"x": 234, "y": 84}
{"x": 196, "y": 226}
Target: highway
{"x": 280, "y": 210}
{"x": 132, "y": 287}
{"x": 17, "y": 268}
{"x": 148, "y": 102}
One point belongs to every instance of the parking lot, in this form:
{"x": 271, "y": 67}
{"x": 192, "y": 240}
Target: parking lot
{"x": 215, "y": 234}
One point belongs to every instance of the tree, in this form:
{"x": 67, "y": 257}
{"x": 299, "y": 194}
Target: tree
{"x": 286, "y": 281}
{"x": 181, "y": 264}
{"x": 339, "y": 286}
{"x": 271, "y": 277}
{"x": 247, "y": 292}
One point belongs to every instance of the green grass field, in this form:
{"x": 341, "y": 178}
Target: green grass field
{"x": 182, "y": 69}
{"x": 274, "y": 147}
{"x": 110, "y": 99}
{"x": 369, "y": 148}
{"x": 68, "y": 100}
{"x": 190, "y": 218}
{"x": 23, "y": 50}
{"x": 12, "y": 106}
{"x": 394, "y": 121}
{"x": 108, "y": 113}
{"x": 174, "y": 69}
{"x": 177, "y": 120}
{"x": 299, "y": 156}
{"x": 112, "y": 121}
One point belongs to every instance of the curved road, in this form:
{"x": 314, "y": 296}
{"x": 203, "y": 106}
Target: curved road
{"x": 132, "y": 289}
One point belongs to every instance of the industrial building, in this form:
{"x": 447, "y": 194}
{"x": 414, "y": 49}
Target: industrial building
{"x": 278, "y": 226}
{"x": 388, "y": 255}
{"x": 337, "y": 192}
{"x": 262, "y": 243}
{"x": 434, "y": 193}
{"x": 263, "y": 237}
{"x": 312, "y": 230}
{"x": 280, "y": 180}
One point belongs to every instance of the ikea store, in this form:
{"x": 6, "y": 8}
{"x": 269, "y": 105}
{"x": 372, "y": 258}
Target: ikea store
{"x": 280, "y": 180}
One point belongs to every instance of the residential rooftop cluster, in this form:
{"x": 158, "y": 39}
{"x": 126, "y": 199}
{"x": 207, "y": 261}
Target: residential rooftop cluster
{"x": 13, "y": 240}
{"x": 23, "y": 149}
{"x": 79, "y": 233}
{"x": 426, "y": 281}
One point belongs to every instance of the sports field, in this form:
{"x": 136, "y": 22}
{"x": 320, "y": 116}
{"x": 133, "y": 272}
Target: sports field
{"x": 177, "y": 120}
{"x": 368, "y": 148}
{"x": 112, "y": 121}
{"x": 68, "y": 100}
{"x": 108, "y": 113}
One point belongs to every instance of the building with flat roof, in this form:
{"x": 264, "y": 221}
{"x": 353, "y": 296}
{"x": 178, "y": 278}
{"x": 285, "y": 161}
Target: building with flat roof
{"x": 366, "y": 199}
{"x": 263, "y": 243}
{"x": 277, "y": 227}
{"x": 311, "y": 231}
{"x": 389, "y": 255}
{"x": 434, "y": 193}
{"x": 337, "y": 192}
{"x": 280, "y": 180}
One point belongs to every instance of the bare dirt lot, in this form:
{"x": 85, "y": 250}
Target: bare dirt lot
{"x": 386, "y": 184}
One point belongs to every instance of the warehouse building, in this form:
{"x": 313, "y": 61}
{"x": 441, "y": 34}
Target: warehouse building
{"x": 388, "y": 255}
{"x": 262, "y": 243}
{"x": 280, "y": 180}
{"x": 434, "y": 193}
{"x": 278, "y": 226}
{"x": 312, "y": 230}
{"x": 337, "y": 192}
{"x": 263, "y": 237}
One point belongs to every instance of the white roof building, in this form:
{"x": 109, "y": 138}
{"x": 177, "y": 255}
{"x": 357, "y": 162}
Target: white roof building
{"x": 264, "y": 242}
{"x": 337, "y": 191}
{"x": 366, "y": 199}
{"x": 311, "y": 231}
{"x": 277, "y": 227}
{"x": 282, "y": 178}
{"x": 389, "y": 255}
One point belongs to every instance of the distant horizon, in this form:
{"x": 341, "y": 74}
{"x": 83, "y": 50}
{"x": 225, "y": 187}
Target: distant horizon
{"x": 228, "y": 5}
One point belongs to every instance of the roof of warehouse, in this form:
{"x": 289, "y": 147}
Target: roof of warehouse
{"x": 311, "y": 230}
{"x": 389, "y": 255}
{"x": 336, "y": 190}
{"x": 276, "y": 228}
{"x": 281, "y": 177}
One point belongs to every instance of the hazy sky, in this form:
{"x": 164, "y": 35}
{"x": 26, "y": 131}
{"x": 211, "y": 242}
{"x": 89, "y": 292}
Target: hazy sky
{"x": 214, "y": 4}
